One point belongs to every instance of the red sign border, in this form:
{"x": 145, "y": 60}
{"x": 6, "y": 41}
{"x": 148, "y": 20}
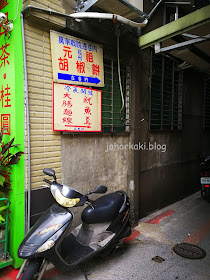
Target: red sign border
{"x": 76, "y": 131}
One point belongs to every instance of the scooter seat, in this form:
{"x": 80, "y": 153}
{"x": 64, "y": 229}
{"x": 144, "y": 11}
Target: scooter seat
{"x": 105, "y": 209}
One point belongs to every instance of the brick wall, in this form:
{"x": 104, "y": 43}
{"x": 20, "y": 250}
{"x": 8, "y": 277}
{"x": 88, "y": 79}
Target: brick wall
{"x": 45, "y": 144}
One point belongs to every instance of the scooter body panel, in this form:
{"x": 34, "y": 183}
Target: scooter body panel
{"x": 52, "y": 223}
{"x": 104, "y": 209}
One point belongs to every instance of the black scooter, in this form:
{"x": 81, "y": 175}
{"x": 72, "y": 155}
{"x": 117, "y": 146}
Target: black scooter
{"x": 105, "y": 224}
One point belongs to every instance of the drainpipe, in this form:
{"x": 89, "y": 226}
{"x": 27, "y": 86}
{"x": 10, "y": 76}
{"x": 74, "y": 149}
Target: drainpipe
{"x": 115, "y": 17}
{"x": 94, "y": 15}
{"x": 112, "y": 17}
{"x": 28, "y": 123}
{"x": 91, "y": 15}
{"x": 48, "y": 11}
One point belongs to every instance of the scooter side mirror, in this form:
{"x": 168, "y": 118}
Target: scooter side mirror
{"x": 100, "y": 189}
{"x": 49, "y": 172}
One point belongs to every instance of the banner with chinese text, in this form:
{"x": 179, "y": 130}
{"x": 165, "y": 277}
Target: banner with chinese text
{"x": 76, "y": 61}
{"x": 76, "y": 108}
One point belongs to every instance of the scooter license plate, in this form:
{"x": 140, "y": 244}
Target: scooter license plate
{"x": 205, "y": 180}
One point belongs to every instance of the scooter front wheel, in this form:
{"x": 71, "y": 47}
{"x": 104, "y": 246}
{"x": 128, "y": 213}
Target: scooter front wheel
{"x": 31, "y": 269}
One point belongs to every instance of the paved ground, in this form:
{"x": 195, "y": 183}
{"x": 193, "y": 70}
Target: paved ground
{"x": 185, "y": 221}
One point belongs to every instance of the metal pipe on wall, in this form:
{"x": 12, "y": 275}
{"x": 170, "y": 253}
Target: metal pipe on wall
{"x": 154, "y": 9}
{"x": 91, "y": 15}
{"x": 28, "y": 124}
{"x": 114, "y": 17}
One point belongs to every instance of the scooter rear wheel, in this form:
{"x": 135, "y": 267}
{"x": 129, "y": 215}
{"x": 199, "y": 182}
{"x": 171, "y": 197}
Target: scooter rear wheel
{"x": 31, "y": 269}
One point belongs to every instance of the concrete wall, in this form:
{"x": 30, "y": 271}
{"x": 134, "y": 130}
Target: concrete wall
{"x": 168, "y": 176}
{"x": 85, "y": 162}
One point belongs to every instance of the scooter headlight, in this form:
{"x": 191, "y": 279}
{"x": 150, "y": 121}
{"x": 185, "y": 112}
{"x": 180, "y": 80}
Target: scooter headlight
{"x": 46, "y": 246}
{"x": 65, "y": 201}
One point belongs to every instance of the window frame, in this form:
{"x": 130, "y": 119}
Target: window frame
{"x": 119, "y": 122}
{"x": 166, "y": 83}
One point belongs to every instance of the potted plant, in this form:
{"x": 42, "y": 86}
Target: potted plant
{"x": 7, "y": 159}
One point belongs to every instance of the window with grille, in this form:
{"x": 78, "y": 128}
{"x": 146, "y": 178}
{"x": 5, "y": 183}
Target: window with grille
{"x": 166, "y": 86}
{"x": 206, "y": 119}
{"x": 115, "y": 116}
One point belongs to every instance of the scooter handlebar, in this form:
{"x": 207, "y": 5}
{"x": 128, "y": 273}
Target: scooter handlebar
{"x": 47, "y": 181}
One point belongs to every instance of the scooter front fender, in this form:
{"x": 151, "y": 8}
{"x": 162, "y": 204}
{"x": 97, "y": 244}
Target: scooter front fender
{"x": 52, "y": 223}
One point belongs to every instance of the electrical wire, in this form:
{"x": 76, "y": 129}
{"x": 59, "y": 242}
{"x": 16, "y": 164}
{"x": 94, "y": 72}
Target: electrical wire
{"x": 17, "y": 12}
{"x": 119, "y": 75}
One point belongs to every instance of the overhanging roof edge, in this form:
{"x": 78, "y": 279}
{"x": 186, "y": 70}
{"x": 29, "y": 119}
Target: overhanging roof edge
{"x": 176, "y": 27}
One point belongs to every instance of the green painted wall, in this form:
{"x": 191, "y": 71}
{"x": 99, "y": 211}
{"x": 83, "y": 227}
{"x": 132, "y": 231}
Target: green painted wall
{"x": 12, "y": 116}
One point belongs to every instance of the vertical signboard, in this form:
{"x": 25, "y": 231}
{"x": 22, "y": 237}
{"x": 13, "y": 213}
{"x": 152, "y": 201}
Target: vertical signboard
{"x": 76, "y": 61}
{"x": 76, "y": 109}
{"x": 7, "y": 88}
{"x": 12, "y": 115}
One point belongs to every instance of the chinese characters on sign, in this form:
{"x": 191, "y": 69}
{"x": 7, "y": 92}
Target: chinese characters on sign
{"x": 6, "y": 86}
{"x": 5, "y": 122}
{"x": 76, "y": 109}
{"x": 4, "y": 55}
{"x": 5, "y": 90}
{"x": 76, "y": 61}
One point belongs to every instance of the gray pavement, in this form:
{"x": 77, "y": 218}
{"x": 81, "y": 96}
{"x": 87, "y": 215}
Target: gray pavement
{"x": 134, "y": 259}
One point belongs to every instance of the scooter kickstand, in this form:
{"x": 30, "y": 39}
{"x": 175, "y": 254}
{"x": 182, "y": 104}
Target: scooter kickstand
{"x": 43, "y": 270}
{"x": 85, "y": 272}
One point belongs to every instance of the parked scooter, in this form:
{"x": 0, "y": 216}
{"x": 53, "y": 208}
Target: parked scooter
{"x": 205, "y": 178}
{"x": 105, "y": 224}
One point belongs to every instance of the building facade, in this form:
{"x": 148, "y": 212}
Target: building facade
{"x": 154, "y": 119}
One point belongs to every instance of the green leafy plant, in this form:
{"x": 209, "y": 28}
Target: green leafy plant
{"x": 7, "y": 159}
{"x": 2, "y": 208}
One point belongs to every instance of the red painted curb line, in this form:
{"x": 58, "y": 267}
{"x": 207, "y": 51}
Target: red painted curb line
{"x": 199, "y": 234}
{"x": 8, "y": 273}
{"x": 133, "y": 235}
{"x": 156, "y": 220}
